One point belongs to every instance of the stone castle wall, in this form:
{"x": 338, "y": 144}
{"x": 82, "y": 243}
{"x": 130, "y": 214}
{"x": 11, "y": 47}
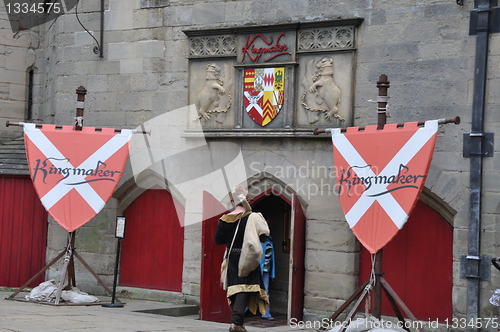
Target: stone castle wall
{"x": 424, "y": 47}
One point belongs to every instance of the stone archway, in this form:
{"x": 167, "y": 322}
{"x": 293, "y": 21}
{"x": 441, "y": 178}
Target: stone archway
{"x": 152, "y": 254}
{"x": 444, "y": 193}
{"x": 267, "y": 170}
{"x": 132, "y": 188}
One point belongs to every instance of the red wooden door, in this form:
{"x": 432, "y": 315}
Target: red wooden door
{"x": 23, "y": 232}
{"x": 213, "y": 300}
{"x": 296, "y": 304}
{"x": 152, "y": 253}
{"x": 417, "y": 263}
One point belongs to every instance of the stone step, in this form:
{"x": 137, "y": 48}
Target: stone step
{"x": 175, "y": 311}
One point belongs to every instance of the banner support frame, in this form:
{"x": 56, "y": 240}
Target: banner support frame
{"x": 380, "y": 283}
{"x": 67, "y": 272}
{"x": 69, "y": 252}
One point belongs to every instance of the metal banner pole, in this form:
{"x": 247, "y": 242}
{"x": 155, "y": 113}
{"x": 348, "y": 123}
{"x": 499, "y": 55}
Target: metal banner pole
{"x": 113, "y": 296}
{"x": 383, "y": 84}
{"x": 120, "y": 234}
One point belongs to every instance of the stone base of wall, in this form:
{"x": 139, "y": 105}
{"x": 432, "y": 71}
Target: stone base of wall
{"x": 151, "y": 294}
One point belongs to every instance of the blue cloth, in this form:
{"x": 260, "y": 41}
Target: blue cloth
{"x": 267, "y": 262}
{"x": 265, "y": 279}
{"x": 268, "y": 269}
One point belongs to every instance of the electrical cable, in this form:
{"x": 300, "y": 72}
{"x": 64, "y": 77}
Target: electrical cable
{"x": 96, "y": 48}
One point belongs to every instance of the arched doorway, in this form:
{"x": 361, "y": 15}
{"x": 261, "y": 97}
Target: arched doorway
{"x": 277, "y": 212}
{"x": 417, "y": 263}
{"x": 152, "y": 254}
{"x": 287, "y": 225}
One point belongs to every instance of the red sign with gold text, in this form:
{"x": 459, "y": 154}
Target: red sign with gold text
{"x": 75, "y": 172}
{"x": 380, "y": 175}
{"x": 266, "y": 47}
{"x": 271, "y": 48}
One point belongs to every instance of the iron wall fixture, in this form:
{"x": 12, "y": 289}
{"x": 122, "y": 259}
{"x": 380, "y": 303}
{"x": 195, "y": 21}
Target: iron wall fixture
{"x": 483, "y": 21}
{"x": 492, "y": 24}
{"x": 478, "y": 144}
{"x": 483, "y": 273}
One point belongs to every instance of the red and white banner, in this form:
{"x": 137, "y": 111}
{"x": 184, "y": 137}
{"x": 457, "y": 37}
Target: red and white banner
{"x": 75, "y": 172}
{"x": 380, "y": 175}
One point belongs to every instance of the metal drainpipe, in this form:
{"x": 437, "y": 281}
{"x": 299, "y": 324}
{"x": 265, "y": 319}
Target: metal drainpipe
{"x": 101, "y": 44}
{"x": 476, "y": 161}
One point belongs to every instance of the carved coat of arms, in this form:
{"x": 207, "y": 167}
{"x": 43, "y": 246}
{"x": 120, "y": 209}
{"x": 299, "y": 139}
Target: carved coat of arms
{"x": 264, "y": 93}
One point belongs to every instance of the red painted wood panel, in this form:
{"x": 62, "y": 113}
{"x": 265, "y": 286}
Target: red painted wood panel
{"x": 152, "y": 253}
{"x": 213, "y": 299}
{"x": 296, "y": 308}
{"x": 417, "y": 263}
{"x": 23, "y": 232}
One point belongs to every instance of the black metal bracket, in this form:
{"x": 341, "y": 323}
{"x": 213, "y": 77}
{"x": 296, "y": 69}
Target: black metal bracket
{"x": 478, "y": 144}
{"x": 492, "y": 3}
{"x": 495, "y": 262}
{"x": 493, "y": 20}
{"x": 475, "y": 267}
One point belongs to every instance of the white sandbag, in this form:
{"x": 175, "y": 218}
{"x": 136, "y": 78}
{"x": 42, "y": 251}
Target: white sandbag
{"x": 46, "y": 291}
{"x": 77, "y": 296}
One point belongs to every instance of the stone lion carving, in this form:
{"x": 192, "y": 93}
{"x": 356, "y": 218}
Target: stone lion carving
{"x": 326, "y": 92}
{"x": 208, "y": 98}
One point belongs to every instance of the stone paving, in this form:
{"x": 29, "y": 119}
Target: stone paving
{"x": 31, "y": 317}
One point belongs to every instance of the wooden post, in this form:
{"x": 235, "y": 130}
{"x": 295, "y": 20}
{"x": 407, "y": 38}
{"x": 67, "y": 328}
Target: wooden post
{"x": 382, "y": 85}
{"x": 69, "y": 261}
{"x": 71, "y": 266}
{"x": 80, "y": 106}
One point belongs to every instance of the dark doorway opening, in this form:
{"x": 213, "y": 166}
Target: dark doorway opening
{"x": 277, "y": 213}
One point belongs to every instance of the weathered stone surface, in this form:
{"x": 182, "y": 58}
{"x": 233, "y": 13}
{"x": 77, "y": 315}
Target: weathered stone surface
{"x": 154, "y": 3}
{"x": 327, "y": 235}
{"x": 424, "y": 47}
{"x": 329, "y": 285}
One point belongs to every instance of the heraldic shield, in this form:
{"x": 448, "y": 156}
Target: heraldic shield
{"x": 264, "y": 93}
{"x": 380, "y": 175}
{"x": 75, "y": 172}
